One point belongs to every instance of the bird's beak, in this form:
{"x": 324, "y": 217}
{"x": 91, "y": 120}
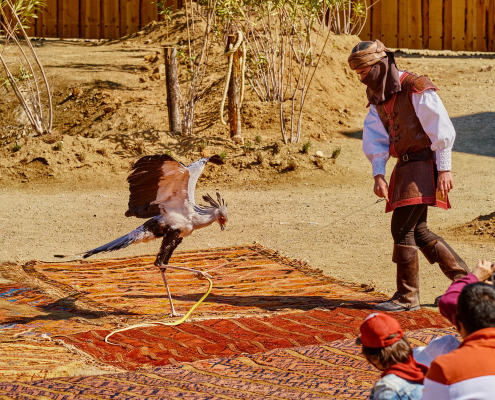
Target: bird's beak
{"x": 222, "y": 227}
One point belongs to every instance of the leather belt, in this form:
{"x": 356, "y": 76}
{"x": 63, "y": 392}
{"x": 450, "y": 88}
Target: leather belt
{"x": 422, "y": 155}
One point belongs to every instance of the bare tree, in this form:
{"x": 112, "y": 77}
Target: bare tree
{"x": 198, "y": 57}
{"x": 348, "y": 17}
{"x": 24, "y": 73}
{"x": 285, "y": 41}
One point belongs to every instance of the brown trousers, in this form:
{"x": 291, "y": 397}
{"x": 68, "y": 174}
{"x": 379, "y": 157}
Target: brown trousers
{"x": 410, "y": 232}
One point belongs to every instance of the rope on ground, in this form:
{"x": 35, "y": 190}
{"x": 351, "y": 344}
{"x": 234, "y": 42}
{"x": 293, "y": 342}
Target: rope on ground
{"x": 175, "y": 323}
{"x": 230, "y": 53}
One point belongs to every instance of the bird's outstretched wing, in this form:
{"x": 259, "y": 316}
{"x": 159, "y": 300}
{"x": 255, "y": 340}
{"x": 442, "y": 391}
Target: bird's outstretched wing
{"x": 195, "y": 170}
{"x": 156, "y": 179}
{"x": 160, "y": 182}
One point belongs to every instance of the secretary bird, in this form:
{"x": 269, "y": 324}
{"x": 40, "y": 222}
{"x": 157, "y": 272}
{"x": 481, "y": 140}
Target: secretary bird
{"x": 163, "y": 188}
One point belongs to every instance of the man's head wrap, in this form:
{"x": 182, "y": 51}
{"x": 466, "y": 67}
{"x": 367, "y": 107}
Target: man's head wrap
{"x": 383, "y": 78}
{"x": 366, "y": 54}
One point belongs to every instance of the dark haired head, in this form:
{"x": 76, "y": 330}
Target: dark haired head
{"x": 361, "y": 46}
{"x": 476, "y": 307}
{"x": 384, "y": 357}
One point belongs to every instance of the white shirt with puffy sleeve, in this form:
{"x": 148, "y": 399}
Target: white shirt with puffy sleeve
{"x": 435, "y": 121}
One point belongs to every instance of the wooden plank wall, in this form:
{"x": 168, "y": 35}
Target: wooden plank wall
{"x": 417, "y": 24}
{"x": 461, "y": 25}
{"x": 95, "y": 19}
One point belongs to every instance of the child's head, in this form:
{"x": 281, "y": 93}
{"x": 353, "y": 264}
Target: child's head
{"x": 383, "y": 341}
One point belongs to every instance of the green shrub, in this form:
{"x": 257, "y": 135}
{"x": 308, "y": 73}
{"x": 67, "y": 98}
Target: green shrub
{"x": 305, "y": 147}
{"x": 247, "y": 146}
{"x": 336, "y": 153}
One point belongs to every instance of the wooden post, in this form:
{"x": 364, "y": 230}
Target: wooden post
{"x": 173, "y": 89}
{"x": 234, "y": 92}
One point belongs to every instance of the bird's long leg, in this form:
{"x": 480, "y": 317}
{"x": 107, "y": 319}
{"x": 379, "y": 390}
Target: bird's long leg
{"x": 170, "y": 242}
{"x": 173, "y": 313}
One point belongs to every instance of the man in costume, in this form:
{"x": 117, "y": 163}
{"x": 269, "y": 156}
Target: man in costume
{"x": 407, "y": 120}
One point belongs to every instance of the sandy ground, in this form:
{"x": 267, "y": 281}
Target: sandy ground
{"x": 334, "y": 226}
{"x": 328, "y": 217}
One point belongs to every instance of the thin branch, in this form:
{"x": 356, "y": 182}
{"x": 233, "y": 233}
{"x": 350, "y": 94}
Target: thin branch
{"x": 31, "y": 100}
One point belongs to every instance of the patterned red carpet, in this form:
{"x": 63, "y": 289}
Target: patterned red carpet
{"x": 247, "y": 280}
{"x": 332, "y": 371}
{"x": 271, "y": 328}
{"x": 162, "y": 345}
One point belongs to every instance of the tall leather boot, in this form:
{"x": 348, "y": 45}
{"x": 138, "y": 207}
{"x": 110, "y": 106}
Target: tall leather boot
{"x": 407, "y": 296}
{"x": 438, "y": 251}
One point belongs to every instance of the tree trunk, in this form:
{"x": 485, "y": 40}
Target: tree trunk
{"x": 234, "y": 92}
{"x": 173, "y": 90}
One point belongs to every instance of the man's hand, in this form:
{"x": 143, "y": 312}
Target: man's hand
{"x": 483, "y": 270}
{"x": 444, "y": 182}
{"x": 381, "y": 187}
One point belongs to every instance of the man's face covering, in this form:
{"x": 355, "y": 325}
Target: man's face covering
{"x": 382, "y": 80}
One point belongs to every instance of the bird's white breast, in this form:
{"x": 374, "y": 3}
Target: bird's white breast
{"x": 177, "y": 220}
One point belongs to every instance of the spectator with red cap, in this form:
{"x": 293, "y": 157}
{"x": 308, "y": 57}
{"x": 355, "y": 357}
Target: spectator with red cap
{"x": 385, "y": 346}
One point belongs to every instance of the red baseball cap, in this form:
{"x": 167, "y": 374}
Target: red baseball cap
{"x": 379, "y": 330}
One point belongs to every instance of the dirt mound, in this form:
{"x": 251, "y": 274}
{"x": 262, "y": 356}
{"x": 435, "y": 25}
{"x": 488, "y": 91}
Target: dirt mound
{"x": 481, "y": 227}
{"x": 110, "y": 107}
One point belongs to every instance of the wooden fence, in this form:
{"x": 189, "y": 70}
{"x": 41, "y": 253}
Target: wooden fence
{"x": 433, "y": 24}
{"x": 416, "y": 24}
{"x": 95, "y": 19}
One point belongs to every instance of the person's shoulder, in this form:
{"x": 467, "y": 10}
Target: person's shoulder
{"x": 463, "y": 364}
{"x": 417, "y": 83}
{"x": 449, "y": 360}
{"x": 387, "y": 388}
{"x": 393, "y": 381}
{"x": 439, "y": 369}
{"x": 392, "y": 386}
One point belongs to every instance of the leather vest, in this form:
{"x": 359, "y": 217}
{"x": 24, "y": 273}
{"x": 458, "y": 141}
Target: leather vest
{"x": 411, "y": 182}
{"x": 406, "y": 134}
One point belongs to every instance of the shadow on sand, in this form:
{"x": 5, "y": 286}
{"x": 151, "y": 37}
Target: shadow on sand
{"x": 475, "y": 134}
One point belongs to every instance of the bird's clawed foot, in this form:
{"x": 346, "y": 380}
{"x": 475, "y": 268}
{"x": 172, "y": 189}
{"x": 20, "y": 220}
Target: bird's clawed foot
{"x": 198, "y": 274}
{"x": 202, "y": 275}
{"x": 175, "y": 314}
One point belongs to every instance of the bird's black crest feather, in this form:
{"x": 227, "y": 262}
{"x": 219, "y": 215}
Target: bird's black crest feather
{"x": 214, "y": 203}
{"x": 211, "y": 201}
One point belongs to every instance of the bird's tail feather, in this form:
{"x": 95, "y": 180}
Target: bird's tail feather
{"x": 116, "y": 244}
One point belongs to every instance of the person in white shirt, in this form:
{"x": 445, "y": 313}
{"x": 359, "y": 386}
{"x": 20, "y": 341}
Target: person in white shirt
{"x": 408, "y": 121}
